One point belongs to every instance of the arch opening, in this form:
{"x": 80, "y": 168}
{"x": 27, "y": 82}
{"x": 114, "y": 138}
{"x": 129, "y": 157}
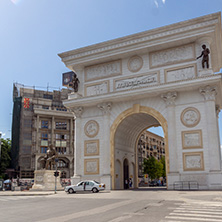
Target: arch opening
{"x": 125, "y": 135}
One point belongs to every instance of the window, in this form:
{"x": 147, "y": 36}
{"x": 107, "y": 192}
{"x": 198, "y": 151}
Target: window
{"x": 45, "y": 107}
{"x": 61, "y": 150}
{"x": 45, "y": 124}
{"x": 47, "y": 96}
{"x": 44, "y": 149}
{"x": 44, "y": 139}
{"x": 61, "y": 125}
{"x": 61, "y": 140}
{"x": 61, "y": 163}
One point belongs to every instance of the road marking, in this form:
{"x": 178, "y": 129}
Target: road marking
{"x": 192, "y": 219}
{"x": 196, "y": 212}
{"x": 196, "y": 215}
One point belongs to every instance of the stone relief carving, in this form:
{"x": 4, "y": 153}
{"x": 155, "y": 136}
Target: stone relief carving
{"x": 180, "y": 74}
{"x": 190, "y": 117}
{"x": 209, "y": 92}
{"x": 91, "y": 166}
{"x": 91, "y": 128}
{"x": 91, "y": 147}
{"x": 192, "y": 139}
{"x": 193, "y": 162}
{"x": 135, "y": 63}
{"x": 97, "y": 89}
{"x": 103, "y": 70}
{"x": 136, "y": 82}
{"x": 169, "y": 98}
{"x": 172, "y": 55}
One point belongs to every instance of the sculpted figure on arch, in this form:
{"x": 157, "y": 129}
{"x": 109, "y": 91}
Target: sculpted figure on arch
{"x": 205, "y": 54}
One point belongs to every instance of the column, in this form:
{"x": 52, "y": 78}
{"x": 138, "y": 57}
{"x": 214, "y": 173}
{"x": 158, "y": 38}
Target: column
{"x": 71, "y": 148}
{"x": 105, "y": 145}
{"x": 172, "y": 155}
{"x": 37, "y": 147}
{"x": 217, "y": 108}
{"x": 52, "y": 131}
{"x": 209, "y": 93}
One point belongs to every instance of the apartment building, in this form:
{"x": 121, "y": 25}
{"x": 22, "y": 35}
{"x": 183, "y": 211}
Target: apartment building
{"x": 149, "y": 145}
{"x": 39, "y": 120}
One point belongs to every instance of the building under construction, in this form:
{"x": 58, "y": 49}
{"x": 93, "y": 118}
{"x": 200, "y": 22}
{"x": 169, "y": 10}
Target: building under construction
{"x": 39, "y": 120}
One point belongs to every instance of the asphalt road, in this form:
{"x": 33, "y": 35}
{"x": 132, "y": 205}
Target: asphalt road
{"x": 114, "y": 206}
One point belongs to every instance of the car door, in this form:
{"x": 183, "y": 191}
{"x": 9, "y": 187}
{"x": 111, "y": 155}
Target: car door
{"x": 89, "y": 185}
{"x": 79, "y": 186}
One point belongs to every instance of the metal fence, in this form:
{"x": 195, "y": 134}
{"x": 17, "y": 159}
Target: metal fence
{"x": 186, "y": 185}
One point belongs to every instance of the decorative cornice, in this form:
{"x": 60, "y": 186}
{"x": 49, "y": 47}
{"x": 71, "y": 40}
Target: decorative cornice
{"x": 169, "y": 98}
{"x": 138, "y": 38}
{"x": 209, "y": 92}
{"x": 105, "y": 107}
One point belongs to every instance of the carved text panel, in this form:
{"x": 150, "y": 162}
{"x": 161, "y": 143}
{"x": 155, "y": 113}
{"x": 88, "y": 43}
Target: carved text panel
{"x": 136, "y": 82}
{"x": 180, "y": 74}
{"x": 172, "y": 55}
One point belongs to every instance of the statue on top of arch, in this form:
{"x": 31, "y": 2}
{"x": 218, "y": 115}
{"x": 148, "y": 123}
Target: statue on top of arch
{"x": 205, "y": 54}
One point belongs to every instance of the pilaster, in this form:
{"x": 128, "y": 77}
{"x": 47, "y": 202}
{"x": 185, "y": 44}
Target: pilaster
{"x": 209, "y": 93}
{"x": 169, "y": 99}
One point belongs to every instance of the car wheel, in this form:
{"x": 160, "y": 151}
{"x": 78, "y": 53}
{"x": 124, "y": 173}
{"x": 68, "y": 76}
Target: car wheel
{"x": 94, "y": 190}
{"x": 71, "y": 190}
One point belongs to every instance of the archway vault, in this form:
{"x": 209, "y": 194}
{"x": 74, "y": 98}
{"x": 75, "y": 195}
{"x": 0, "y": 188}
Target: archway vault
{"x": 136, "y": 117}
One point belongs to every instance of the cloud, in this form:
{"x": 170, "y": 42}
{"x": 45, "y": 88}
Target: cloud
{"x": 163, "y": 1}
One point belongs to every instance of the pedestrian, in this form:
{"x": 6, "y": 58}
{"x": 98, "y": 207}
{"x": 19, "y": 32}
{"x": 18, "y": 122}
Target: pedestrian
{"x": 126, "y": 184}
{"x": 84, "y": 186}
{"x": 130, "y": 183}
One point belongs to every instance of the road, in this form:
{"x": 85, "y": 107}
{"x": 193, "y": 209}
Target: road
{"x": 115, "y": 206}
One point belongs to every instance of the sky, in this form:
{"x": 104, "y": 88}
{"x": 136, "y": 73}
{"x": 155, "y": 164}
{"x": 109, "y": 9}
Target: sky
{"x": 33, "y": 32}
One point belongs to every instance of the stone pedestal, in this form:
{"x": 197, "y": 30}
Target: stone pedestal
{"x": 45, "y": 180}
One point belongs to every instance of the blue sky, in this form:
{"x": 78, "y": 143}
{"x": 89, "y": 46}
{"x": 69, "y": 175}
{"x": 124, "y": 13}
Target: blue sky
{"x": 33, "y": 32}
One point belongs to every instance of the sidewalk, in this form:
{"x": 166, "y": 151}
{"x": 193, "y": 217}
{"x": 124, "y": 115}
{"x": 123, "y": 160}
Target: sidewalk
{"x": 27, "y": 193}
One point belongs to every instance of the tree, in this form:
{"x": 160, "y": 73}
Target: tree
{"x": 162, "y": 160}
{"x": 5, "y": 156}
{"x": 149, "y": 166}
{"x": 154, "y": 168}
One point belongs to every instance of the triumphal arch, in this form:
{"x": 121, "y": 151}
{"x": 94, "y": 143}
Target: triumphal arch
{"x": 153, "y": 78}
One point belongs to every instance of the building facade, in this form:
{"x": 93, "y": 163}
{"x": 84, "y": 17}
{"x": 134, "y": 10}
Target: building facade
{"x": 149, "y": 144}
{"x": 39, "y": 120}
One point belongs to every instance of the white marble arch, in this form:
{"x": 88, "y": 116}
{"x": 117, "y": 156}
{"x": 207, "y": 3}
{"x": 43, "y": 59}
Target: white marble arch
{"x": 170, "y": 88}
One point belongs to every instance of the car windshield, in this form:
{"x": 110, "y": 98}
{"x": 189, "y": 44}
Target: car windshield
{"x": 95, "y": 181}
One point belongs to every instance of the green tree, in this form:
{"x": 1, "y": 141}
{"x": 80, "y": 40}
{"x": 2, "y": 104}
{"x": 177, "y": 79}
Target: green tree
{"x": 5, "y": 156}
{"x": 149, "y": 167}
{"x": 154, "y": 168}
{"x": 162, "y": 160}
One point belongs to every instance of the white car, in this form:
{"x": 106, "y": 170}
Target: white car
{"x": 87, "y": 185}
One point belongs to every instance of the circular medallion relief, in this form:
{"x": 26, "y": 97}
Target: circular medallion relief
{"x": 91, "y": 128}
{"x": 135, "y": 63}
{"x": 190, "y": 117}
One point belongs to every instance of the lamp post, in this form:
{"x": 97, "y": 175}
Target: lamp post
{"x": 56, "y": 172}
